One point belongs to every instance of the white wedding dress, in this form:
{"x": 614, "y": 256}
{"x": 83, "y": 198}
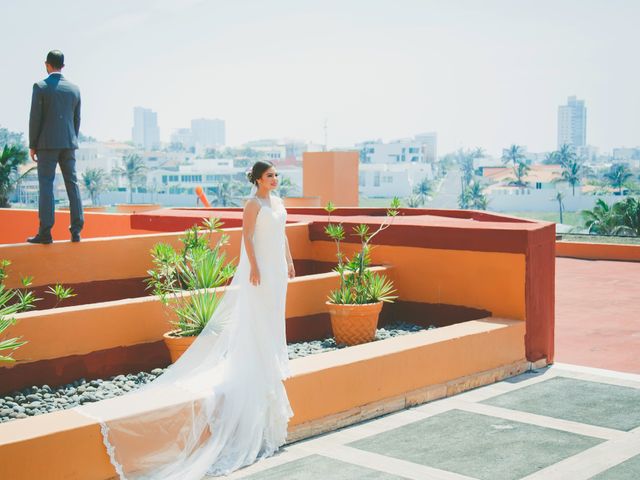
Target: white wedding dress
{"x": 222, "y": 405}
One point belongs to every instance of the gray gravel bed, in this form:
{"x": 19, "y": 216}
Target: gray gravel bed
{"x": 37, "y": 400}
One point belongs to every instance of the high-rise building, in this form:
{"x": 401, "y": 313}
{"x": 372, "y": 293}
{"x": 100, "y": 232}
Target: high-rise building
{"x": 208, "y": 132}
{"x": 184, "y": 137}
{"x": 429, "y": 143}
{"x": 145, "y": 132}
{"x": 572, "y": 123}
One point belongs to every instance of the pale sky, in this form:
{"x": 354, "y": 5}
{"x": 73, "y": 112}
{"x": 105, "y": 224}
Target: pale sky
{"x": 483, "y": 73}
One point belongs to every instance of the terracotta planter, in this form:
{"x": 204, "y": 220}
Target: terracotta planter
{"x": 177, "y": 345}
{"x": 354, "y": 324}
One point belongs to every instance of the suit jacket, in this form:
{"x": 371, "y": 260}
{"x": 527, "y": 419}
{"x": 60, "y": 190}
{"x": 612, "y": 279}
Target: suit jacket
{"x": 54, "y": 122}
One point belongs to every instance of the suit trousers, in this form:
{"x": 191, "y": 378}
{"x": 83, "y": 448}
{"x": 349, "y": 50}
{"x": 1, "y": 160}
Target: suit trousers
{"x": 47, "y": 161}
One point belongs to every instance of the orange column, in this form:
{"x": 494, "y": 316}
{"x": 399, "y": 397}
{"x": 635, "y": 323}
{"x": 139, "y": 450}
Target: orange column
{"x": 332, "y": 176}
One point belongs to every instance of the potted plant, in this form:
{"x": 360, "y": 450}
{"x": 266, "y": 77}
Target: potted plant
{"x": 186, "y": 280}
{"x": 355, "y": 305}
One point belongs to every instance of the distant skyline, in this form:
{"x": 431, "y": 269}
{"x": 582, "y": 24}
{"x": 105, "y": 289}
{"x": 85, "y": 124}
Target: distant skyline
{"x": 487, "y": 73}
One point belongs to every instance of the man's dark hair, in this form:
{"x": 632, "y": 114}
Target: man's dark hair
{"x": 55, "y": 58}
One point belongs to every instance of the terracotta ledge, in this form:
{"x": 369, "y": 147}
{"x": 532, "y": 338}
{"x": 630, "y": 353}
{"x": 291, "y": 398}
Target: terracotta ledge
{"x": 598, "y": 251}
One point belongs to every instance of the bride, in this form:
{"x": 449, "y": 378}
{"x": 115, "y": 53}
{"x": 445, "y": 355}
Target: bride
{"x": 222, "y": 405}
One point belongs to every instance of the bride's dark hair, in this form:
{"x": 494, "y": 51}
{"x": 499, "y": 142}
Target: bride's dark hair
{"x": 257, "y": 170}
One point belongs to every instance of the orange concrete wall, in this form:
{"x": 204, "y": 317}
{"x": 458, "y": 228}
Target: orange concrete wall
{"x": 332, "y": 176}
{"x": 489, "y": 280}
{"x": 83, "y": 329}
{"x": 598, "y": 251}
{"x": 290, "y": 202}
{"x": 68, "y": 445}
{"x": 353, "y": 374}
{"x": 18, "y": 224}
{"x": 110, "y": 258}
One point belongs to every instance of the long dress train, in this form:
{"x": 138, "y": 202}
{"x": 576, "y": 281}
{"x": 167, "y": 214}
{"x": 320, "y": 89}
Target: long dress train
{"x": 222, "y": 405}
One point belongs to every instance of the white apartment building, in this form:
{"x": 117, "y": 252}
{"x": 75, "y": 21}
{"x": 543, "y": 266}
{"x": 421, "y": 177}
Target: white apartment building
{"x": 207, "y": 173}
{"x": 104, "y": 155}
{"x": 386, "y": 180}
{"x": 208, "y": 132}
{"x": 422, "y": 148}
{"x": 572, "y": 123}
{"x": 184, "y": 136}
{"x": 429, "y": 143}
{"x": 145, "y": 132}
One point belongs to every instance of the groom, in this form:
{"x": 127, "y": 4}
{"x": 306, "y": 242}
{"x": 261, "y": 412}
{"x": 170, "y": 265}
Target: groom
{"x": 54, "y": 126}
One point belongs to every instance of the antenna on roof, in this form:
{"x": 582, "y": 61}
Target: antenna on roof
{"x": 324, "y": 148}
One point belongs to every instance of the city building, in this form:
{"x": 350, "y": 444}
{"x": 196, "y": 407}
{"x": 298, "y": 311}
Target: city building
{"x": 387, "y": 180}
{"x": 208, "y": 133}
{"x": 422, "y": 148}
{"x": 429, "y": 143}
{"x": 183, "y": 137}
{"x": 572, "y": 123}
{"x": 145, "y": 132}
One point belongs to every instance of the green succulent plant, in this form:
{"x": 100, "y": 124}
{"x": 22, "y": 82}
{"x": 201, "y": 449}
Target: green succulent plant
{"x": 183, "y": 278}
{"x": 358, "y": 283}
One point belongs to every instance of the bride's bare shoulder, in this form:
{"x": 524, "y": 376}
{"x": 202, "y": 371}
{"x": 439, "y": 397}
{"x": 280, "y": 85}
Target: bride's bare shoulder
{"x": 251, "y": 205}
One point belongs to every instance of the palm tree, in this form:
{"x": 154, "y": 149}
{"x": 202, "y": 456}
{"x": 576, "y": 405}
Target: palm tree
{"x": 465, "y": 159}
{"x": 629, "y": 213}
{"x": 617, "y": 175}
{"x": 11, "y": 158}
{"x": 550, "y": 158}
{"x": 473, "y": 197}
{"x": 515, "y": 157}
{"x": 565, "y": 154}
{"x": 224, "y": 195}
{"x": 422, "y": 190}
{"x": 286, "y": 187}
{"x": 413, "y": 201}
{"x": 558, "y": 198}
{"x": 133, "y": 169}
{"x": 572, "y": 172}
{"x": 602, "y": 219}
{"x": 95, "y": 182}
{"x": 477, "y": 199}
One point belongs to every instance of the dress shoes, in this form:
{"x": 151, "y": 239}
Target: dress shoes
{"x": 75, "y": 237}
{"x": 39, "y": 239}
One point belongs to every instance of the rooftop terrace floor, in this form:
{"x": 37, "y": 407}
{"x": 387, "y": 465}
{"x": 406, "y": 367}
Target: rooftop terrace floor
{"x": 598, "y": 314}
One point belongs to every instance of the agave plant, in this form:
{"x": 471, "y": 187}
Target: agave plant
{"x": 12, "y": 301}
{"x": 358, "y": 284}
{"x": 182, "y": 279}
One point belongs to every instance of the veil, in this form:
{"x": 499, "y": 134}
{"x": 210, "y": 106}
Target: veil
{"x": 205, "y": 409}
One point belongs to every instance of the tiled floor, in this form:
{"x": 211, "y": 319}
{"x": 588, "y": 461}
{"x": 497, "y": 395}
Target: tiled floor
{"x": 563, "y": 422}
{"x": 597, "y": 321}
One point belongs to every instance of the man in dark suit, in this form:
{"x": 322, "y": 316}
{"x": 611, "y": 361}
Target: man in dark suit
{"x": 54, "y": 126}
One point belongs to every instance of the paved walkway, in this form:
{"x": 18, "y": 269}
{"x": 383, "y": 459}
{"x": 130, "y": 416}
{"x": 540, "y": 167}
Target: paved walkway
{"x": 598, "y": 314}
{"x": 562, "y": 422}
{"x": 448, "y": 193}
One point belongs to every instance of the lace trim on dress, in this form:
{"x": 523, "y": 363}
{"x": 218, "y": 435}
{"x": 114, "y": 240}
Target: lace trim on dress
{"x": 111, "y": 450}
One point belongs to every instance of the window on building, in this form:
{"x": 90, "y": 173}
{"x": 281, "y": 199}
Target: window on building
{"x": 376, "y": 179}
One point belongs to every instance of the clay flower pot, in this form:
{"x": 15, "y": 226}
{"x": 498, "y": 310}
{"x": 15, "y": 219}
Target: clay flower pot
{"x": 354, "y": 324}
{"x": 177, "y": 345}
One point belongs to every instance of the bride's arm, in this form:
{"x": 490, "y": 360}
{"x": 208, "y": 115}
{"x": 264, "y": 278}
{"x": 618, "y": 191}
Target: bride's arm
{"x": 249, "y": 216}
{"x": 290, "y": 268}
